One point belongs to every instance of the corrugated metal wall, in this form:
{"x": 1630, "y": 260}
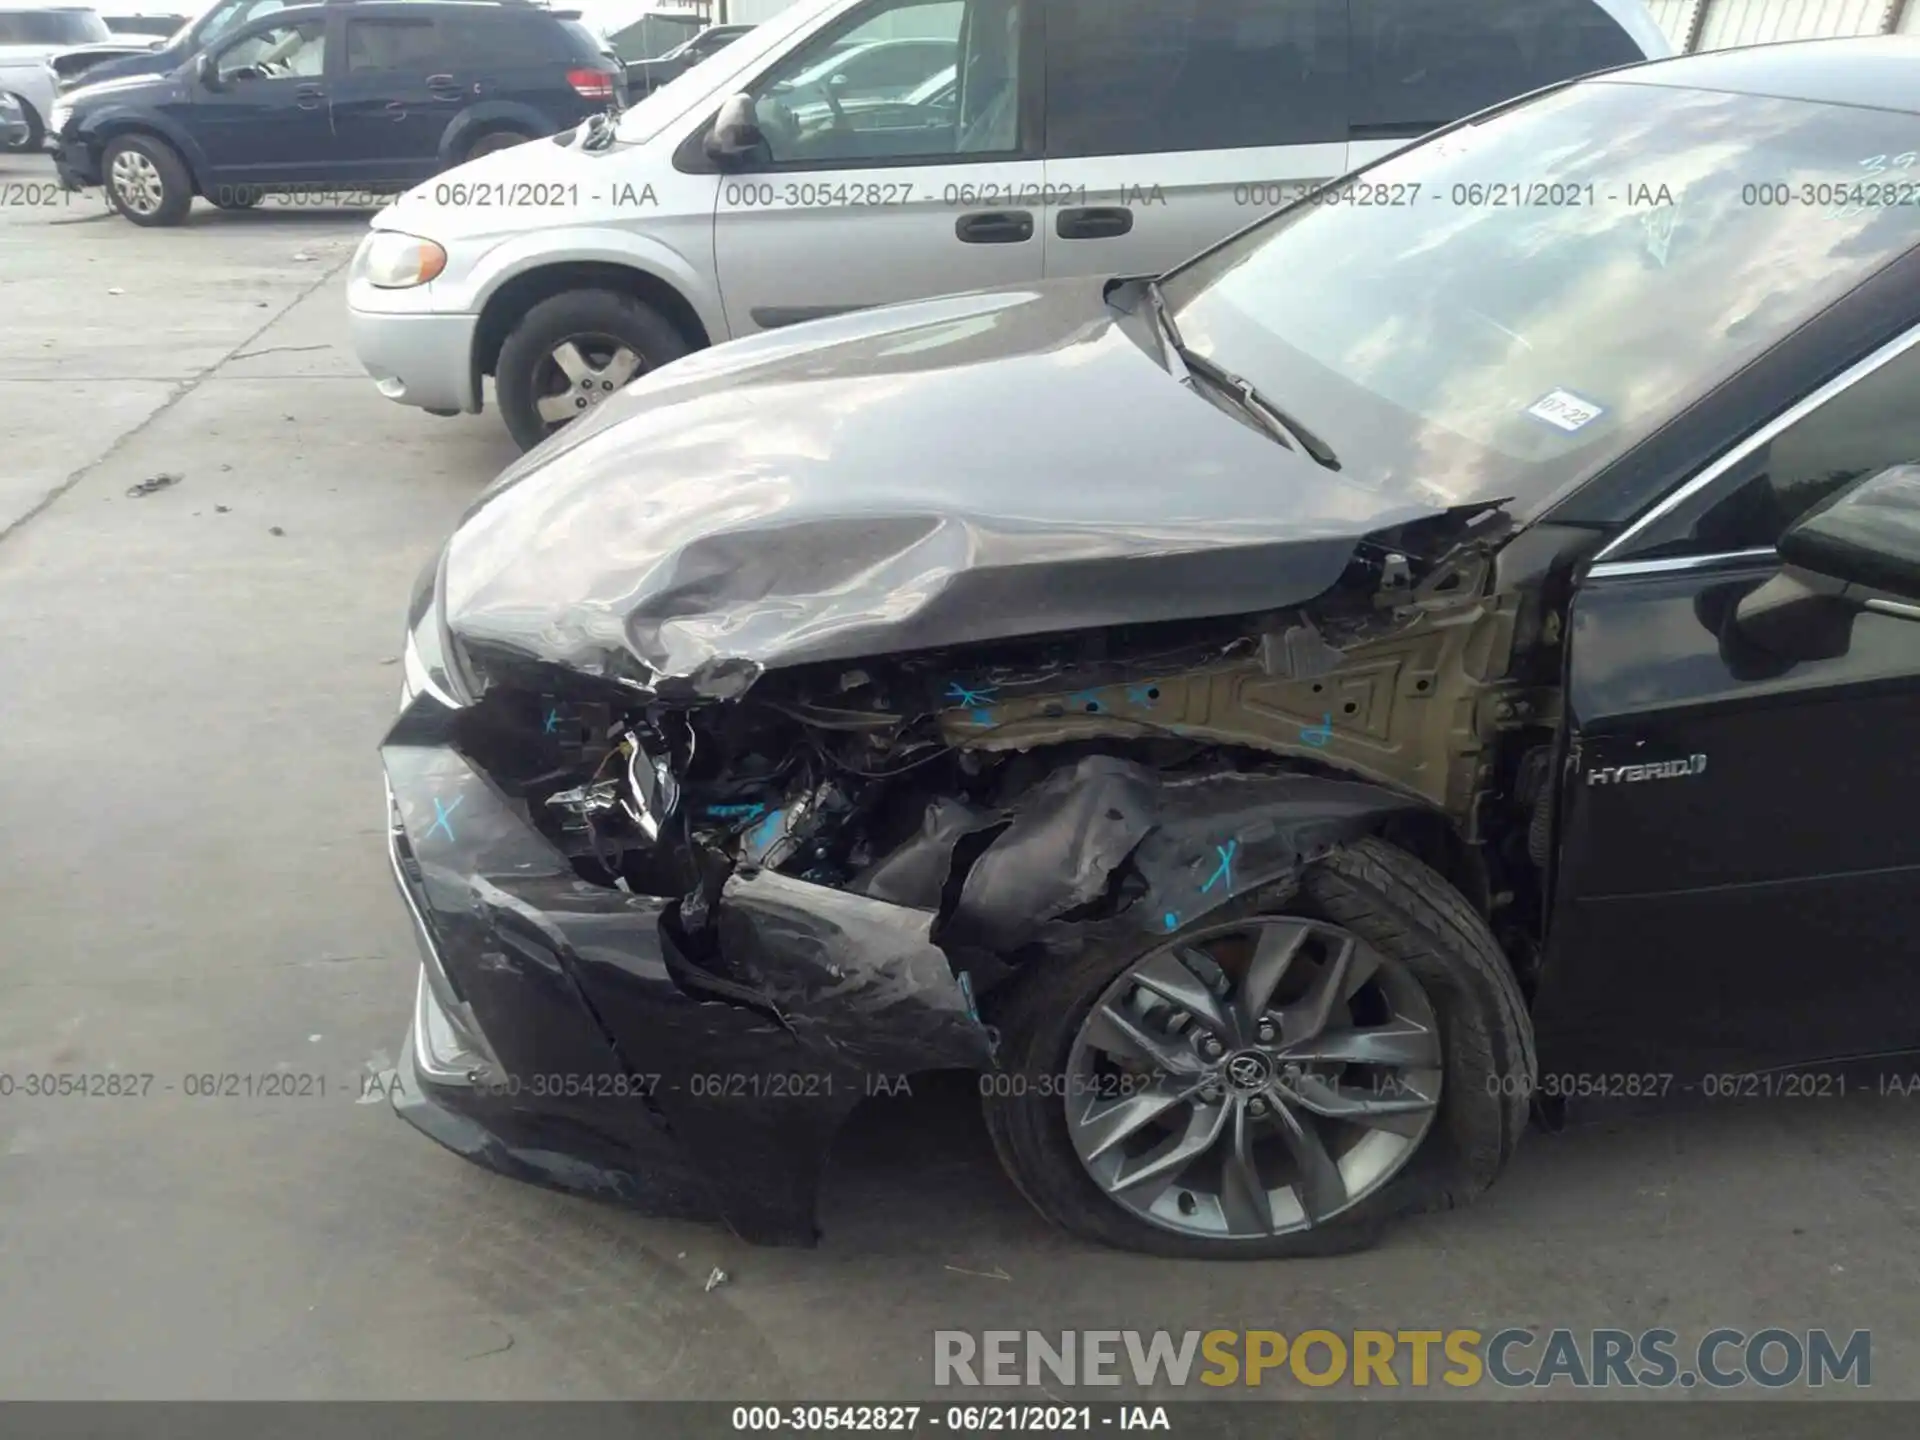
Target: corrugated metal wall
{"x": 1717, "y": 24}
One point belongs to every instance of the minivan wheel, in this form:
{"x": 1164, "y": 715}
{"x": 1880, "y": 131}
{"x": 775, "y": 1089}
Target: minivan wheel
{"x": 36, "y": 137}
{"x": 1281, "y": 1083}
{"x": 146, "y": 181}
{"x": 573, "y": 351}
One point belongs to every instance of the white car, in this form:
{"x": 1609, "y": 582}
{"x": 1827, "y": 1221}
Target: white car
{"x": 1117, "y": 137}
{"x": 29, "y": 36}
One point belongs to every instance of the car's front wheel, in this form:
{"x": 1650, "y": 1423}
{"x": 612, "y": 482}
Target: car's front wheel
{"x": 1278, "y": 1084}
{"x": 573, "y": 351}
{"x": 147, "y": 181}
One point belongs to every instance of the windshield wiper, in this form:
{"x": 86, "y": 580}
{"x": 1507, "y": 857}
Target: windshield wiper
{"x": 1268, "y": 416}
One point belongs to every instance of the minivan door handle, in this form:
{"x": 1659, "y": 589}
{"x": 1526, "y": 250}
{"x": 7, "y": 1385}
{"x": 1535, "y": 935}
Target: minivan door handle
{"x": 308, "y": 97}
{"x": 1098, "y": 222}
{"x": 995, "y": 227}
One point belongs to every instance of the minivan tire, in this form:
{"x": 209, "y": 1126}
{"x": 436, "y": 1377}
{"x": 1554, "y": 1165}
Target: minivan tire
{"x": 167, "y": 171}
{"x": 36, "y": 137}
{"x": 1389, "y": 901}
{"x": 523, "y": 371}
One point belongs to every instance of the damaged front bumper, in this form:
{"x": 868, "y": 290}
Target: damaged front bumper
{"x": 564, "y": 1032}
{"x": 560, "y": 1035}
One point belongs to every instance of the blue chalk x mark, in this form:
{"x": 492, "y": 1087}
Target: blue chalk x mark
{"x": 1140, "y": 695}
{"x": 969, "y": 699}
{"x": 442, "y": 813}
{"x": 738, "y": 812}
{"x": 766, "y": 832}
{"x": 1087, "y": 700}
{"x": 1172, "y": 920}
{"x": 1318, "y": 735}
{"x": 1224, "y": 870}
{"x": 553, "y": 720}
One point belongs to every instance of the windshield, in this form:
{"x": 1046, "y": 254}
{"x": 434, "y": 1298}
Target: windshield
{"x": 52, "y": 27}
{"x": 1499, "y": 311}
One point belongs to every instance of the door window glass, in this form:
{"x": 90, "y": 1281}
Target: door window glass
{"x": 1871, "y": 425}
{"x": 409, "y": 45}
{"x": 1421, "y": 64}
{"x": 230, "y": 17}
{"x": 1143, "y": 77}
{"x": 859, "y": 93}
{"x": 276, "y": 53}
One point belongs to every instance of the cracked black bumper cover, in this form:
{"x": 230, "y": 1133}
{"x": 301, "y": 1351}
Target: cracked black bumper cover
{"x": 607, "y": 1070}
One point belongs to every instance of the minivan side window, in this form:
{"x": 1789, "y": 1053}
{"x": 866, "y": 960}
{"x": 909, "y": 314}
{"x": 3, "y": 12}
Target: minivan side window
{"x": 407, "y": 45}
{"x": 278, "y": 53}
{"x": 855, "y": 95}
{"x": 1871, "y": 425}
{"x": 1421, "y": 64}
{"x": 1145, "y": 77}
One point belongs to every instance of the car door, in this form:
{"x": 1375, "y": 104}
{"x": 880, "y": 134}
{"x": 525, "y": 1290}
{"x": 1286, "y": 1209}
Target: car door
{"x": 263, "y": 119}
{"x": 838, "y": 216}
{"x": 1421, "y": 64}
{"x": 395, "y": 94}
{"x": 1173, "y": 123}
{"x": 1739, "y": 868}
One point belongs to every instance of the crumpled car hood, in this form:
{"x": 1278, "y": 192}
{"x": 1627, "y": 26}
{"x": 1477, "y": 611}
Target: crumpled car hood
{"x": 977, "y": 467}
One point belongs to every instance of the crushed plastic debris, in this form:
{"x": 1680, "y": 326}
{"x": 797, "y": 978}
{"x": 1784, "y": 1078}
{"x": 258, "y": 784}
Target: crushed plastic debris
{"x": 151, "y": 484}
{"x": 718, "y": 1277}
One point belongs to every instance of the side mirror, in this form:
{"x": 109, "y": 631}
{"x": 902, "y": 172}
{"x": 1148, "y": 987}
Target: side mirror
{"x": 735, "y": 139}
{"x": 208, "y": 70}
{"x": 1866, "y": 536}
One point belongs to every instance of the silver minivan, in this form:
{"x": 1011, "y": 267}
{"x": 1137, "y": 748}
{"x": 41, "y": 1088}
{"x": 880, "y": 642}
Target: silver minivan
{"x": 1011, "y": 141}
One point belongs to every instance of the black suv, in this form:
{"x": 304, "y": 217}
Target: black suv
{"x": 345, "y": 96}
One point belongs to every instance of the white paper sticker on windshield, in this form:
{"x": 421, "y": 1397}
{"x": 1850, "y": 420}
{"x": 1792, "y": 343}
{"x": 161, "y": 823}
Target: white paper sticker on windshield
{"x": 1565, "y": 410}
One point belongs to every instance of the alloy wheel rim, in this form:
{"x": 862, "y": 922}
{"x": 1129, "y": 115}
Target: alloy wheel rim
{"x": 137, "y": 183}
{"x": 579, "y": 374}
{"x": 1254, "y": 1079}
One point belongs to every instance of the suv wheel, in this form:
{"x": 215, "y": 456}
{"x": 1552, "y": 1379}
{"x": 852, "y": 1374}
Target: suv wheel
{"x": 1281, "y": 1084}
{"x": 496, "y": 140}
{"x": 36, "y": 136}
{"x": 147, "y": 181}
{"x": 237, "y": 197}
{"x": 573, "y": 351}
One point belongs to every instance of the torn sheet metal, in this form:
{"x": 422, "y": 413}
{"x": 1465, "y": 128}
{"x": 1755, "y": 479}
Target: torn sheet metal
{"x": 768, "y": 505}
{"x": 915, "y": 874}
{"x": 1068, "y": 837}
{"x": 857, "y": 979}
{"x": 1193, "y": 846}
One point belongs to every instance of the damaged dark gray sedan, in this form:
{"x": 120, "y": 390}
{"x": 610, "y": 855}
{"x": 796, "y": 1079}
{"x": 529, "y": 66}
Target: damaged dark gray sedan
{"x": 1234, "y": 713}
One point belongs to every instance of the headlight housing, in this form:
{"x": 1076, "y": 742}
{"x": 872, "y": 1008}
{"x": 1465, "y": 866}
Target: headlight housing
{"x": 394, "y": 260}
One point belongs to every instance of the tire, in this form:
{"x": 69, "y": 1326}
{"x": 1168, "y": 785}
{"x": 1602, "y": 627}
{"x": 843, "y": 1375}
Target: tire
{"x": 237, "y": 197}
{"x": 152, "y": 159}
{"x": 525, "y": 373}
{"x": 1386, "y": 900}
{"x": 36, "y": 136}
{"x": 494, "y": 140}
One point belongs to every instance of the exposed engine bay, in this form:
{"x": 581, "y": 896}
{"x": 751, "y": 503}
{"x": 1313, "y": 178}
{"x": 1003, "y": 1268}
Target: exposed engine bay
{"x": 1004, "y": 788}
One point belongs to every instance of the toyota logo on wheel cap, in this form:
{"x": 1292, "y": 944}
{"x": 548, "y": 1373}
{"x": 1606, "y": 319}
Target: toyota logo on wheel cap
{"x": 1249, "y": 1070}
